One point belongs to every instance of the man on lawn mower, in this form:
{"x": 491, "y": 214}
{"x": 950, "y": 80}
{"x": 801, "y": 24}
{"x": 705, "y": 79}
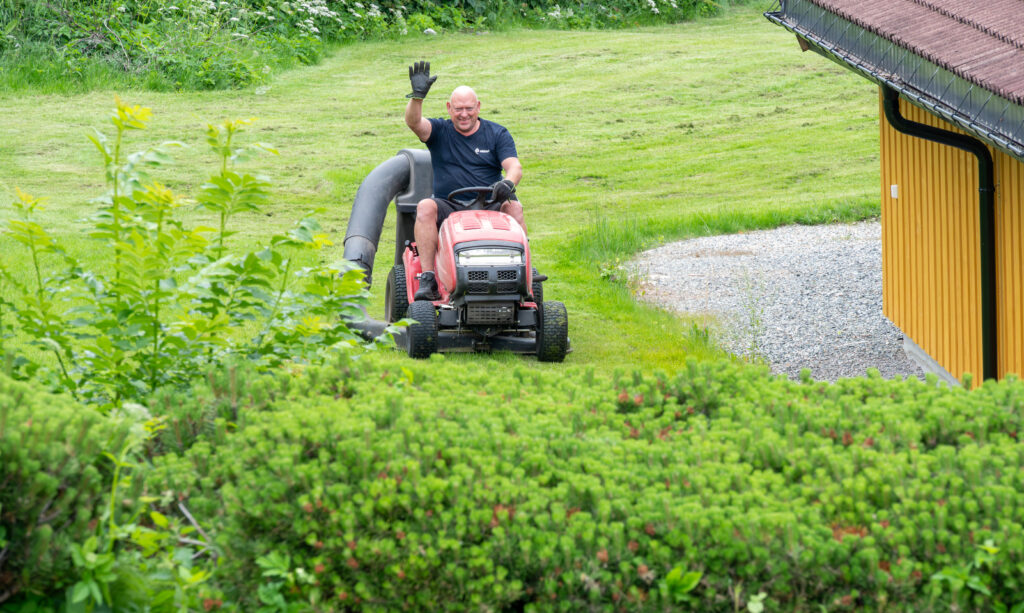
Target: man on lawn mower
{"x": 464, "y": 151}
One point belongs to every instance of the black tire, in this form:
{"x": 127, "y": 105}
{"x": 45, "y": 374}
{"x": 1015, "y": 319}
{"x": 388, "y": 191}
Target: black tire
{"x": 537, "y": 289}
{"x": 396, "y": 300}
{"x": 552, "y": 332}
{"x": 422, "y": 334}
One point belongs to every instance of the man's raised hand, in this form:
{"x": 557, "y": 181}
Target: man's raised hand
{"x": 419, "y": 77}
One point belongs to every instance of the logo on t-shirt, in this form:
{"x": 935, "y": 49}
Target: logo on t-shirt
{"x": 478, "y": 150}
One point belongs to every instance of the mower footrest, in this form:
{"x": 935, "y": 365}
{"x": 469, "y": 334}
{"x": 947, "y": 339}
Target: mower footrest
{"x": 453, "y": 341}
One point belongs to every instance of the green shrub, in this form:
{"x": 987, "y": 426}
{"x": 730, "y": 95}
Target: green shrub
{"x": 374, "y": 487}
{"x": 56, "y": 479}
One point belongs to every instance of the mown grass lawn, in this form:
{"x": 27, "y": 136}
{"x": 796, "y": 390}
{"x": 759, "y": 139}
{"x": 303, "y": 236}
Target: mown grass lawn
{"x": 628, "y": 138}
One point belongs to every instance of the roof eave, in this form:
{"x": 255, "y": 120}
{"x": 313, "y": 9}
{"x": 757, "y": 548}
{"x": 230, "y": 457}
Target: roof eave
{"x": 982, "y": 113}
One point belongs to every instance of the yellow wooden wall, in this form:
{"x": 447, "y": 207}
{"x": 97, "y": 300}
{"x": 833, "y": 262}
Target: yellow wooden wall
{"x": 930, "y": 258}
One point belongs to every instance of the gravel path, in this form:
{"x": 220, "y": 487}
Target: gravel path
{"x": 796, "y": 296}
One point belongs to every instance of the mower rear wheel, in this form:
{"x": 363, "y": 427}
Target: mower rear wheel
{"x": 423, "y": 333}
{"x": 552, "y": 332}
{"x": 396, "y": 300}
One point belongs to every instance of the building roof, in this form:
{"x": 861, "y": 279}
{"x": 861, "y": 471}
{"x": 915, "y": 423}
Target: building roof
{"x": 983, "y": 42}
{"x": 960, "y": 59}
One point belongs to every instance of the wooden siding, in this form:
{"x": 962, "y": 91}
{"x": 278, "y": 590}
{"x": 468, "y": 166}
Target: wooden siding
{"x": 930, "y": 248}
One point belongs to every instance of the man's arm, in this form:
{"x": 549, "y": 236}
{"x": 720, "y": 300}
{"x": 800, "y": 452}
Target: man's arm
{"x": 420, "y": 80}
{"x": 415, "y": 120}
{"x": 513, "y": 169}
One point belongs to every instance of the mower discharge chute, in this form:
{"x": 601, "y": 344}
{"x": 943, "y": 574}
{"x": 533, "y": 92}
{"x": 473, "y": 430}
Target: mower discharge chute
{"x": 491, "y": 297}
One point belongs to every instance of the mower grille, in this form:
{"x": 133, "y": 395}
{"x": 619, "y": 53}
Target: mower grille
{"x": 507, "y": 281}
{"x": 482, "y": 313}
{"x": 477, "y": 282}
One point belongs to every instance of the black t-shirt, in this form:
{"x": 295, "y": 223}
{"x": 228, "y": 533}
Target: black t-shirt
{"x": 463, "y": 161}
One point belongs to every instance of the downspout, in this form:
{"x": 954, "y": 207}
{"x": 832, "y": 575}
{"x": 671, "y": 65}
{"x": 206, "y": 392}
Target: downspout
{"x": 986, "y": 216}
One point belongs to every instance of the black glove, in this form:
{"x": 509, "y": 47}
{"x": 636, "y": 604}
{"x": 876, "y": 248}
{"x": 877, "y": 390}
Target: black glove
{"x": 503, "y": 190}
{"x": 419, "y": 76}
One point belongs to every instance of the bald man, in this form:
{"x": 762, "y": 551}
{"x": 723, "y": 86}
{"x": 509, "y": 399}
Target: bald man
{"x": 465, "y": 151}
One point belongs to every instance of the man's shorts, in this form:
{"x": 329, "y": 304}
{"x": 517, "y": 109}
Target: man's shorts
{"x": 446, "y": 207}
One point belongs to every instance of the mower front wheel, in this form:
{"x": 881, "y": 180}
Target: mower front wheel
{"x": 396, "y": 300}
{"x": 422, "y": 334}
{"x": 552, "y": 332}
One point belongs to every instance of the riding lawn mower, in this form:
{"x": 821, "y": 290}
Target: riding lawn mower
{"x": 491, "y": 297}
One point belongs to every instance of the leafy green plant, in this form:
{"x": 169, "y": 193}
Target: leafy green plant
{"x": 143, "y": 559}
{"x": 174, "y": 299}
{"x": 282, "y": 579}
{"x": 756, "y": 602}
{"x": 969, "y": 585}
{"x": 54, "y": 485}
{"x": 677, "y": 585}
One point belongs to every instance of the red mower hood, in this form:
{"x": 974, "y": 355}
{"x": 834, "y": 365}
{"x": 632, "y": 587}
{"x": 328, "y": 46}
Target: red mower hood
{"x": 484, "y": 225}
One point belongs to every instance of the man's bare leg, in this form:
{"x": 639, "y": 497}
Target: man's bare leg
{"x": 425, "y": 232}
{"x": 514, "y": 210}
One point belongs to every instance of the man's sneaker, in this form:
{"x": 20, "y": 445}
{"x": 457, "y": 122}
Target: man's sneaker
{"x": 428, "y": 287}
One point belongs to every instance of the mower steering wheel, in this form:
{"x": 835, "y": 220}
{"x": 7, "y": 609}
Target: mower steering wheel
{"x": 482, "y": 196}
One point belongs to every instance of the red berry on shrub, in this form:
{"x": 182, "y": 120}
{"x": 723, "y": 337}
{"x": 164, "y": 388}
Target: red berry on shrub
{"x": 633, "y": 546}
{"x": 602, "y": 556}
{"x": 638, "y": 399}
{"x": 319, "y": 544}
{"x": 319, "y": 568}
{"x": 352, "y": 545}
{"x": 342, "y": 595}
{"x": 400, "y": 535}
{"x": 401, "y": 574}
{"x": 353, "y": 563}
{"x": 649, "y": 529}
{"x": 623, "y": 396}
{"x": 308, "y": 508}
{"x": 847, "y": 439}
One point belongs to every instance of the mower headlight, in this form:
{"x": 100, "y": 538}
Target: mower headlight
{"x": 490, "y": 256}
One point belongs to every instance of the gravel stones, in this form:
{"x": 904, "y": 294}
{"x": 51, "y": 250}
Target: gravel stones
{"x": 796, "y": 297}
